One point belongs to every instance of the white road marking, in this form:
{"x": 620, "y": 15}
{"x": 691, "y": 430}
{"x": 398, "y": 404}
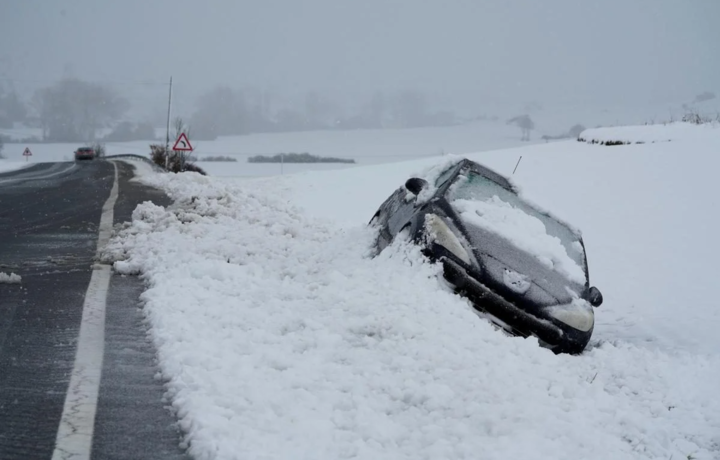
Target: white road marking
{"x": 106, "y": 220}
{"x": 75, "y": 433}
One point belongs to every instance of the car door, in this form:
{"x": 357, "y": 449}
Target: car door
{"x": 399, "y": 209}
{"x": 405, "y": 206}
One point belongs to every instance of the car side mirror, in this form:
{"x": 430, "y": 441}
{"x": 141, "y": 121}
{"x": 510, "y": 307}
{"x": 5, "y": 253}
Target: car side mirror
{"x": 415, "y": 185}
{"x": 595, "y": 297}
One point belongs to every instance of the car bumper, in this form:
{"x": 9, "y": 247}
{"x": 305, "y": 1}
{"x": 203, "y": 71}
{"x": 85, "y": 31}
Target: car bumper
{"x": 522, "y": 322}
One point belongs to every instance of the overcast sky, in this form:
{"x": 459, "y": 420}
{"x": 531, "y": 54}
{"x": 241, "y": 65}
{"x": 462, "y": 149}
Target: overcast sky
{"x": 505, "y": 50}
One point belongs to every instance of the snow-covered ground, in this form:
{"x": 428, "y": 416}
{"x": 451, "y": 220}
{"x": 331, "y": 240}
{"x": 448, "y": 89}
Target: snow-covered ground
{"x": 378, "y": 146}
{"x": 279, "y": 338}
{"x": 6, "y": 166}
{"x": 364, "y": 146}
{"x": 653, "y": 133}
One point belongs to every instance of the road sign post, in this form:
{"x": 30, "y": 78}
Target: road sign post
{"x": 27, "y": 154}
{"x": 167, "y": 133}
{"x": 182, "y": 144}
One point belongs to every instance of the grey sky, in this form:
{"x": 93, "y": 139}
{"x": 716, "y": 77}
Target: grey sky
{"x": 504, "y": 50}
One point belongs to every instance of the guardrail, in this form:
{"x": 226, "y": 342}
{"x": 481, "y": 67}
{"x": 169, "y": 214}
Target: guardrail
{"x": 132, "y": 156}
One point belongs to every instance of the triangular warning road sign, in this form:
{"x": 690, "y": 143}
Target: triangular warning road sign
{"x": 182, "y": 144}
{"x": 27, "y": 152}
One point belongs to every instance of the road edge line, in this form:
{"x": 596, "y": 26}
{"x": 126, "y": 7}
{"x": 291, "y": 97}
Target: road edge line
{"x": 75, "y": 432}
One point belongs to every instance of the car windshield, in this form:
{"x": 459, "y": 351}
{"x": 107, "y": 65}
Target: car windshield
{"x": 444, "y": 176}
{"x": 485, "y": 203}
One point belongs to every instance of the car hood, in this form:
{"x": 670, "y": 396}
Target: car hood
{"x": 498, "y": 255}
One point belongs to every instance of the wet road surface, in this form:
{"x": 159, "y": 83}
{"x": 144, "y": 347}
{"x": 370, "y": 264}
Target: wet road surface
{"x": 49, "y": 216}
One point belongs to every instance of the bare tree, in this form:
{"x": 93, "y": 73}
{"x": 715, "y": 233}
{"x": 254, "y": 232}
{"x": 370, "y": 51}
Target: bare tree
{"x": 575, "y": 130}
{"x": 12, "y": 109}
{"x": 319, "y": 110}
{"x": 172, "y": 160}
{"x": 181, "y": 127}
{"x": 525, "y": 123}
{"x": 73, "y": 110}
{"x": 220, "y": 112}
{"x": 409, "y": 108}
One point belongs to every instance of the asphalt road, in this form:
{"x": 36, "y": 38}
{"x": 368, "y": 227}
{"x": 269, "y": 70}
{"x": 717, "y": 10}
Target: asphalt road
{"x": 49, "y": 216}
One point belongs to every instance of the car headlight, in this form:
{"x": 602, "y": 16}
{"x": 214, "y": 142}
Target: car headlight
{"x": 440, "y": 233}
{"x": 578, "y": 314}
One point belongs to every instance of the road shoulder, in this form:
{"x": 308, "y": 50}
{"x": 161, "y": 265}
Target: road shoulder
{"x": 132, "y": 419}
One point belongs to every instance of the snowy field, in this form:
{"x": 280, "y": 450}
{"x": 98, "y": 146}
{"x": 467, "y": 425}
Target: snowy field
{"x": 368, "y": 147}
{"x": 279, "y": 338}
{"x": 6, "y": 166}
{"x": 684, "y": 132}
{"x": 364, "y": 146}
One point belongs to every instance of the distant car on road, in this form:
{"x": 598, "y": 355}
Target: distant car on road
{"x": 85, "y": 153}
{"x": 517, "y": 264}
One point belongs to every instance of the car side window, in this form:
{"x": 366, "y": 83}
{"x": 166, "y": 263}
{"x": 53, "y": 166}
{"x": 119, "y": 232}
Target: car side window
{"x": 388, "y": 208}
{"x": 398, "y": 210}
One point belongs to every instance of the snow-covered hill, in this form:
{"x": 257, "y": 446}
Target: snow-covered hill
{"x": 669, "y": 132}
{"x": 280, "y": 338}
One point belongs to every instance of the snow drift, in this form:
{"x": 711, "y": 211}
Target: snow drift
{"x": 645, "y": 134}
{"x": 280, "y": 338}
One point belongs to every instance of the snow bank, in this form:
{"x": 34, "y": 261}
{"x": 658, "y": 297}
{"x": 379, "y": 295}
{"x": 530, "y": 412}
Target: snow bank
{"x": 141, "y": 168}
{"x": 6, "y": 166}
{"x": 646, "y": 134}
{"x": 523, "y": 230}
{"x": 12, "y": 278}
{"x": 279, "y": 338}
{"x": 431, "y": 174}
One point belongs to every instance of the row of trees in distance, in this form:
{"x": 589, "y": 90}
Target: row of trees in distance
{"x": 73, "y": 110}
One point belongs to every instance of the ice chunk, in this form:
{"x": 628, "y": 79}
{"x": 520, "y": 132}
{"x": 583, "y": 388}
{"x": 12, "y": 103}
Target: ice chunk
{"x": 12, "y": 278}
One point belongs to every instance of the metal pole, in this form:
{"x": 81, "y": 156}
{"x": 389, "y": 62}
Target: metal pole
{"x": 516, "y": 165}
{"x": 167, "y": 132}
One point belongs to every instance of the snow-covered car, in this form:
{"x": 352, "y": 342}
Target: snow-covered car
{"x": 85, "y": 153}
{"x": 516, "y": 263}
